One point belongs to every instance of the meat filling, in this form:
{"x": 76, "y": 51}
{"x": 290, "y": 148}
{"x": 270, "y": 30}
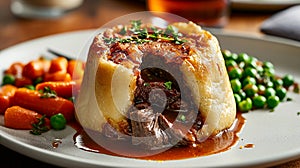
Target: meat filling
{"x": 163, "y": 113}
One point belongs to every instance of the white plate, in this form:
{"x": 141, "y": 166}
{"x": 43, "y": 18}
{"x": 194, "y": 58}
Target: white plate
{"x": 263, "y": 4}
{"x": 275, "y": 135}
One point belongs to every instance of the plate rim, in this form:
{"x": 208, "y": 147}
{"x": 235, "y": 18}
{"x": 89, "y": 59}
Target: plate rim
{"x": 74, "y": 159}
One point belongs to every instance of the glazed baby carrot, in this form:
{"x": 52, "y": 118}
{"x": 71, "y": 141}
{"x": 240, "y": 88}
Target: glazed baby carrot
{"x": 23, "y": 81}
{"x": 20, "y": 118}
{"x": 15, "y": 69}
{"x": 62, "y": 89}
{"x": 6, "y": 94}
{"x": 75, "y": 69}
{"x": 43, "y": 103}
{"x": 33, "y": 69}
{"x": 46, "y": 64}
{"x": 57, "y": 76}
{"x": 72, "y": 64}
{"x": 59, "y": 64}
{"x": 8, "y": 90}
{"x": 4, "y": 103}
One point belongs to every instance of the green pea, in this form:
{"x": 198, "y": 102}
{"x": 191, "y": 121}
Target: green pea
{"x": 272, "y": 102}
{"x": 281, "y": 92}
{"x": 268, "y": 65}
{"x": 261, "y": 89}
{"x": 288, "y": 80}
{"x": 253, "y": 59}
{"x": 226, "y": 54}
{"x": 235, "y": 73}
{"x": 234, "y": 56}
{"x": 250, "y": 72}
{"x": 259, "y": 70}
{"x": 250, "y": 90}
{"x": 278, "y": 82}
{"x": 237, "y": 98}
{"x": 259, "y": 101}
{"x": 270, "y": 92}
{"x": 252, "y": 62}
{"x": 58, "y": 121}
{"x": 8, "y": 79}
{"x": 236, "y": 85}
{"x": 243, "y": 57}
{"x": 242, "y": 65}
{"x": 242, "y": 94}
{"x": 269, "y": 72}
{"x": 245, "y": 105}
{"x": 249, "y": 80}
{"x": 230, "y": 63}
{"x": 269, "y": 84}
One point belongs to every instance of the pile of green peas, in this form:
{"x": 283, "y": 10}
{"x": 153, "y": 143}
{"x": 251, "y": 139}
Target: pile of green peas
{"x": 254, "y": 83}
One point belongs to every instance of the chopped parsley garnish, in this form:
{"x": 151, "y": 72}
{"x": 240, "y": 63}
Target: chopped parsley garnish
{"x": 39, "y": 127}
{"x": 110, "y": 40}
{"x": 135, "y": 25}
{"x": 72, "y": 99}
{"x": 146, "y": 84}
{"x": 298, "y": 113}
{"x": 48, "y": 93}
{"x": 182, "y": 118}
{"x": 168, "y": 85}
{"x": 156, "y": 32}
{"x": 289, "y": 99}
{"x": 170, "y": 30}
{"x": 123, "y": 31}
{"x": 140, "y": 35}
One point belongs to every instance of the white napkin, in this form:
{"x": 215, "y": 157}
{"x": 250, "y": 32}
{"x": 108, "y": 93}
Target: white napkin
{"x": 284, "y": 24}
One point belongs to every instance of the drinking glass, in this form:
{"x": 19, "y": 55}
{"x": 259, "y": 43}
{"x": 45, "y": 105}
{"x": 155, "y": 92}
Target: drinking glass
{"x": 208, "y": 13}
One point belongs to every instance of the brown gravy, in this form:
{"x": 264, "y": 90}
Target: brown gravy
{"x": 222, "y": 142}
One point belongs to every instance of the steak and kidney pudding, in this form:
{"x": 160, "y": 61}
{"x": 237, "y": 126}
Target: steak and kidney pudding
{"x": 154, "y": 87}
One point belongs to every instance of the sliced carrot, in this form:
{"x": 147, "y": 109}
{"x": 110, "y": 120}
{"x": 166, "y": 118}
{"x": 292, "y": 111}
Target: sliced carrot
{"x": 31, "y": 99}
{"x": 57, "y": 76}
{"x": 20, "y": 118}
{"x": 62, "y": 89}
{"x": 58, "y": 64}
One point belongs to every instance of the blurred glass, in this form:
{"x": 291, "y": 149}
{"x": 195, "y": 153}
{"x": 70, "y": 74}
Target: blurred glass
{"x": 43, "y": 8}
{"x": 208, "y": 13}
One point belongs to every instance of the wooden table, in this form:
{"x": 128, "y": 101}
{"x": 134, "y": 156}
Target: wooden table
{"x": 92, "y": 14}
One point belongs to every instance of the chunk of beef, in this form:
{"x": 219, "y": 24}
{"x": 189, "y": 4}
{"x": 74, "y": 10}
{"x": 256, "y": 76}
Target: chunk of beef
{"x": 146, "y": 130}
{"x": 153, "y": 131}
